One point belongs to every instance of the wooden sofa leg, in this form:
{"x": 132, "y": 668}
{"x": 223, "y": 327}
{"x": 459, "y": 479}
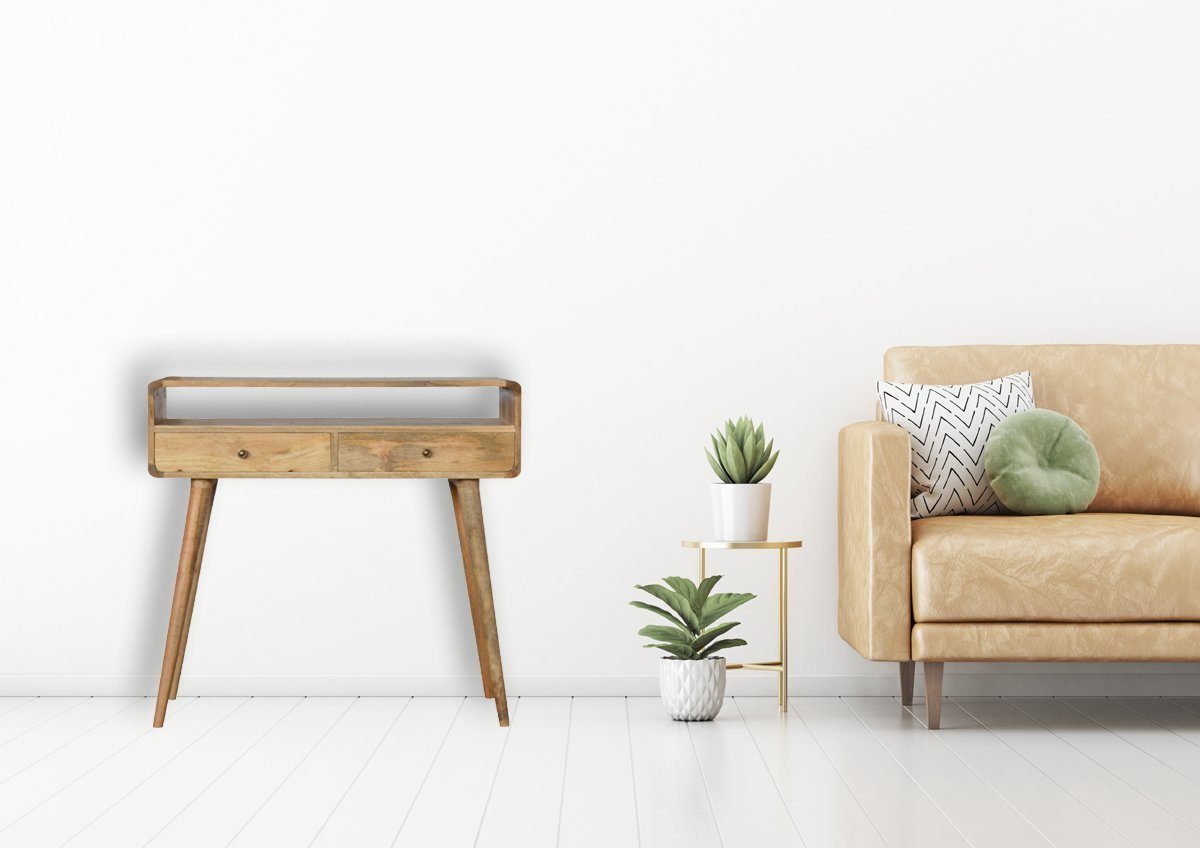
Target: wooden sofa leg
{"x": 907, "y": 675}
{"x": 933, "y": 695}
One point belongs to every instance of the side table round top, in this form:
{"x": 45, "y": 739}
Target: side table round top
{"x": 739, "y": 546}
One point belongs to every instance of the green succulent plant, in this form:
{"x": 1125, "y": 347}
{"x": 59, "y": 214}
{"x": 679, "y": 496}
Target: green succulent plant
{"x": 692, "y": 611}
{"x": 742, "y": 453}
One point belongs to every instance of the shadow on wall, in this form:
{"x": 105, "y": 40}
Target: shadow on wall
{"x": 259, "y": 359}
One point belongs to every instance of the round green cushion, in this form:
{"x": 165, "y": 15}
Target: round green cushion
{"x": 1041, "y": 463}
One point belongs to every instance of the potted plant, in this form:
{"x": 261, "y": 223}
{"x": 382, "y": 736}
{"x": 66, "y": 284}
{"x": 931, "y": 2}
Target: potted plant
{"x": 692, "y": 679}
{"x": 742, "y": 459}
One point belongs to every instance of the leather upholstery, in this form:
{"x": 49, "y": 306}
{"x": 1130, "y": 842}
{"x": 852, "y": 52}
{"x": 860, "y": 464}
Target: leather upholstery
{"x": 1139, "y": 404}
{"x": 1097, "y": 586}
{"x": 1069, "y": 568}
{"x": 873, "y": 539}
{"x": 1151, "y": 641}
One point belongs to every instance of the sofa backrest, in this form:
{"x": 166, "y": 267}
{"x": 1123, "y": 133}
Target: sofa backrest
{"x": 1139, "y": 404}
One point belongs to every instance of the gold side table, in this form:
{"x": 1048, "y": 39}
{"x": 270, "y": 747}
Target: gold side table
{"x": 779, "y": 666}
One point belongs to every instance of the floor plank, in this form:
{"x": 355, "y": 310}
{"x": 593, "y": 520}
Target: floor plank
{"x": 39, "y": 780}
{"x": 294, "y": 813}
{"x": 68, "y": 810}
{"x": 821, "y": 804}
{"x": 848, "y": 773}
{"x": 218, "y": 813}
{"x": 1137, "y": 817}
{"x": 1143, "y": 733}
{"x": 32, "y": 715}
{"x": 672, "y": 801}
{"x": 1146, "y": 774}
{"x": 140, "y": 815}
{"x": 746, "y": 802}
{"x": 527, "y": 795}
{"x": 1056, "y": 813}
{"x": 450, "y": 804}
{"x": 599, "y": 805}
{"x": 373, "y": 807}
{"x": 1192, "y": 705}
{"x": 23, "y": 751}
{"x": 1181, "y": 722}
{"x": 896, "y": 804}
{"x": 9, "y": 703}
{"x": 976, "y": 810}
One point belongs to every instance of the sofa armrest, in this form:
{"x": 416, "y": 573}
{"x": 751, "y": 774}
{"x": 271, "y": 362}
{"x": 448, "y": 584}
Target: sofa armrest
{"x": 874, "y": 540}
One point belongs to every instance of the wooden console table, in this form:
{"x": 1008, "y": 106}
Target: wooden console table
{"x": 460, "y": 450}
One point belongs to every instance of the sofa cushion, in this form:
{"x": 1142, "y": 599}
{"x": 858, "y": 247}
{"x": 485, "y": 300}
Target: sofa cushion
{"x": 1040, "y": 462}
{"x": 950, "y": 427}
{"x": 1030, "y": 641}
{"x": 1140, "y": 404}
{"x": 1086, "y": 567}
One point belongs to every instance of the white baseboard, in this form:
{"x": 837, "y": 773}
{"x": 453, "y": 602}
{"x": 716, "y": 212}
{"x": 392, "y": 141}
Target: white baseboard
{"x": 967, "y": 683}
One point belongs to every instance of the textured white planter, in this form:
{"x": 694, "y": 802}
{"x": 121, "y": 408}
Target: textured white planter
{"x": 692, "y": 690}
{"x": 741, "y": 511}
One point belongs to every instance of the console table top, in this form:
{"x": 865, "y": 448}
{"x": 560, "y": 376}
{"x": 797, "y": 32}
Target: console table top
{"x": 452, "y": 448}
{"x": 333, "y": 382}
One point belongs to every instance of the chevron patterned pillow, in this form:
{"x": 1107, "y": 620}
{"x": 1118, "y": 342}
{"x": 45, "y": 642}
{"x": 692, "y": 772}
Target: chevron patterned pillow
{"x": 949, "y": 426}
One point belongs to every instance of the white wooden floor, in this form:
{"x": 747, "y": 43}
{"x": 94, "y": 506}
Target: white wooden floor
{"x": 613, "y": 772}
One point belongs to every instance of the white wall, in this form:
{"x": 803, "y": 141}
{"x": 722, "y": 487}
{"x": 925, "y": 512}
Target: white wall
{"x": 652, "y": 214}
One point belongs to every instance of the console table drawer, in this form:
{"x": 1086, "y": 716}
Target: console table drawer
{"x": 430, "y": 454}
{"x": 198, "y": 454}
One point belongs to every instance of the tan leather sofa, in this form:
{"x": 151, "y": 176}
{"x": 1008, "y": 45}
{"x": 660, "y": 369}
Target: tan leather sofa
{"x": 1119, "y": 583}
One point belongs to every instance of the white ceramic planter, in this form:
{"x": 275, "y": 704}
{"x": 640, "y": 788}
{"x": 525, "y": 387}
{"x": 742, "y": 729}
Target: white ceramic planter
{"x": 741, "y": 511}
{"x": 692, "y": 690}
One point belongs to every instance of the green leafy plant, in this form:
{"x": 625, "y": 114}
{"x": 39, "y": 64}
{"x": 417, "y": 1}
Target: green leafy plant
{"x": 692, "y": 611}
{"x": 742, "y": 453}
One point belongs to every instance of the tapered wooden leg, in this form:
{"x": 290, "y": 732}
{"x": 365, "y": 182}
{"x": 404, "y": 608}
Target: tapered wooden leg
{"x": 207, "y": 506}
{"x": 933, "y": 695}
{"x": 480, "y": 646}
{"x": 907, "y": 674}
{"x": 201, "y": 493}
{"x": 479, "y": 582}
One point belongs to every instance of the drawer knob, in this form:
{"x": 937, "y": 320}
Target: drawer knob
{"x": 427, "y": 452}
{"x": 243, "y": 453}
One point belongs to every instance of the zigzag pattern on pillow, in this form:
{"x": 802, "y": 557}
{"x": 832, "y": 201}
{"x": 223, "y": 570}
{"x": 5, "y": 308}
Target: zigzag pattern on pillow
{"x": 949, "y": 426}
